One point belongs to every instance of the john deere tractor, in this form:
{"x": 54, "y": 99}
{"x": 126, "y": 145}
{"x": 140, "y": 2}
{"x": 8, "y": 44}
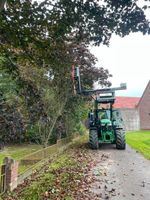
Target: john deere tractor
{"x": 105, "y": 122}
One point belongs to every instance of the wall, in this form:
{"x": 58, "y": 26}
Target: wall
{"x": 144, "y": 109}
{"x": 131, "y": 119}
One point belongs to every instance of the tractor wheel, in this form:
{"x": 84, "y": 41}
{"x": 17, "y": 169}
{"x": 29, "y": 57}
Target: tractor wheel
{"x": 93, "y": 139}
{"x": 120, "y": 139}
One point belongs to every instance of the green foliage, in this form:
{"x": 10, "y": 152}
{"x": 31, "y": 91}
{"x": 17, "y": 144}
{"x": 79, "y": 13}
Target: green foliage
{"x": 39, "y": 43}
{"x": 140, "y": 140}
{"x": 8, "y": 86}
{"x": 12, "y": 123}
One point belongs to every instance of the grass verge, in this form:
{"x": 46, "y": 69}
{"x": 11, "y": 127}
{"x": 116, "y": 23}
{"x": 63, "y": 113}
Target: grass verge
{"x": 140, "y": 140}
{"x": 64, "y": 178}
{"x": 18, "y": 151}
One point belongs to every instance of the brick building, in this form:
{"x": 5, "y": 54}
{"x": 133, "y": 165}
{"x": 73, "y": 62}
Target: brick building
{"x": 135, "y": 110}
{"x": 144, "y": 109}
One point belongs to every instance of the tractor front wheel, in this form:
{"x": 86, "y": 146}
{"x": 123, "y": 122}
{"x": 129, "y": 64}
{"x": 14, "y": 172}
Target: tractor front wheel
{"x": 120, "y": 139}
{"x": 93, "y": 139}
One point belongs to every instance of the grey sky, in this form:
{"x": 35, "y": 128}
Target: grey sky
{"x": 128, "y": 60}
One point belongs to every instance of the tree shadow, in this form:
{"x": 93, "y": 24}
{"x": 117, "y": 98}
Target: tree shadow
{"x": 104, "y": 146}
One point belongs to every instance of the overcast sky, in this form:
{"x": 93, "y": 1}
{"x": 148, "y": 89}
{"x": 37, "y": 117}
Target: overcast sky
{"x": 128, "y": 60}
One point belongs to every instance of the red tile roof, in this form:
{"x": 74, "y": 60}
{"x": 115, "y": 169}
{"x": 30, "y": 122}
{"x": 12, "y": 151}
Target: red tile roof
{"x": 126, "y": 102}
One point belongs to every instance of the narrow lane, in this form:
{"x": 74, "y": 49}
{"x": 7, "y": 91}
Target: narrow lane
{"x": 121, "y": 175}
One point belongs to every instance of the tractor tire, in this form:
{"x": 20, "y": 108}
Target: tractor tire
{"x": 120, "y": 139}
{"x": 93, "y": 139}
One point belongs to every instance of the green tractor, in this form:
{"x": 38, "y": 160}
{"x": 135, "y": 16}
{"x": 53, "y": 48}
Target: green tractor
{"x": 105, "y": 123}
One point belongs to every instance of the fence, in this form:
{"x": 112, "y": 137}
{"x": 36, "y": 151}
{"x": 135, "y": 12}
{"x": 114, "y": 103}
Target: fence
{"x": 13, "y": 172}
{"x": 35, "y": 158}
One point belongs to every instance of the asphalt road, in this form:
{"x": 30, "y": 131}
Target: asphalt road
{"x": 121, "y": 174}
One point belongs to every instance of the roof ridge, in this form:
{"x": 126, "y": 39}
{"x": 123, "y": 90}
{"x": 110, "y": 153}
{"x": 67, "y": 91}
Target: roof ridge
{"x": 126, "y": 102}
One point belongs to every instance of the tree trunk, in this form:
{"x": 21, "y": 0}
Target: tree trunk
{"x": 54, "y": 122}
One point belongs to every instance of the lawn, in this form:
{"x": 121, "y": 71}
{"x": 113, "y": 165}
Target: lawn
{"x": 18, "y": 151}
{"x": 140, "y": 140}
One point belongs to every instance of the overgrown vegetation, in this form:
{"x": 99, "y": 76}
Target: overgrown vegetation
{"x": 39, "y": 42}
{"x": 140, "y": 140}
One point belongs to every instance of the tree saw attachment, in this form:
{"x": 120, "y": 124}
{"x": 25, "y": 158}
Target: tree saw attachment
{"x": 105, "y": 123}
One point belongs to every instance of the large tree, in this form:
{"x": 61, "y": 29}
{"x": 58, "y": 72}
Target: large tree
{"x": 40, "y": 41}
{"x": 47, "y": 32}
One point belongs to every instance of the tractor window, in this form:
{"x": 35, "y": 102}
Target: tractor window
{"x": 104, "y": 114}
{"x": 117, "y": 115}
{"x": 108, "y": 114}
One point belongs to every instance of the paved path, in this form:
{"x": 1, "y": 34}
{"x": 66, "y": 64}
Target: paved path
{"x": 121, "y": 175}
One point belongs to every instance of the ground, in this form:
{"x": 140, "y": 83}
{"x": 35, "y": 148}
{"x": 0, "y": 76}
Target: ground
{"x": 121, "y": 175}
{"x": 84, "y": 174}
